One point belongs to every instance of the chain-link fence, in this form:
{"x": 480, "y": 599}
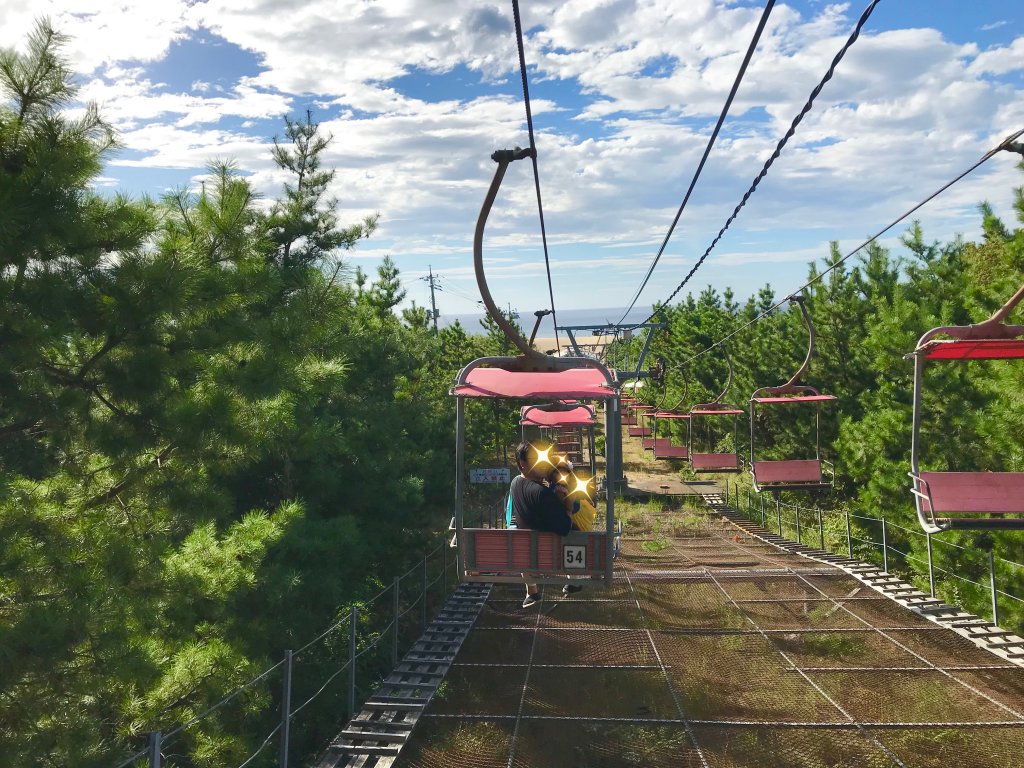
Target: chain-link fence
{"x": 871, "y": 538}
{"x": 299, "y": 702}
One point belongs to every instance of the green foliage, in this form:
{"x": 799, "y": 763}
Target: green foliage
{"x": 211, "y": 443}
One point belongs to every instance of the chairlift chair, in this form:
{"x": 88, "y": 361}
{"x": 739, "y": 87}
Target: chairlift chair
{"x": 637, "y": 427}
{"x": 662, "y": 446}
{"x": 512, "y": 555}
{"x": 564, "y": 418}
{"x": 791, "y": 474}
{"x": 708, "y": 459}
{"x": 975, "y": 500}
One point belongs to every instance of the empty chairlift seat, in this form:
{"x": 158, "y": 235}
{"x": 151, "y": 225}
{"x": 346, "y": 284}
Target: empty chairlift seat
{"x": 802, "y": 472}
{"x": 790, "y": 474}
{"x": 663, "y": 446}
{"x": 703, "y": 457}
{"x": 976, "y": 500}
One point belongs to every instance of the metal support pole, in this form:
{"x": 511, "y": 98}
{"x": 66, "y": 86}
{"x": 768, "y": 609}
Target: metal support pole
{"x": 748, "y": 503}
{"x": 444, "y": 567}
{"x": 286, "y": 709}
{"x": 796, "y": 507}
{"x": 849, "y": 534}
{"x": 423, "y": 597}
{"x": 992, "y": 585}
{"x": 353, "y": 620}
{"x": 821, "y": 529}
{"x": 885, "y": 548}
{"x": 395, "y": 586}
{"x": 155, "y": 741}
{"x": 931, "y": 566}
{"x": 763, "y": 521}
{"x": 727, "y": 491}
{"x": 778, "y": 511}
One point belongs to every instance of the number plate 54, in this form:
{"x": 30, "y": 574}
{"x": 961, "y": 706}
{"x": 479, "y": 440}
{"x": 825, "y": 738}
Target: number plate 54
{"x": 574, "y": 556}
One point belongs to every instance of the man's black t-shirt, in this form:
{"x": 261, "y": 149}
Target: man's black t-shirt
{"x": 536, "y": 506}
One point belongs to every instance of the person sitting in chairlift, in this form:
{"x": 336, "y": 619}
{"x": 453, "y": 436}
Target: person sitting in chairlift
{"x": 537, "y": 506}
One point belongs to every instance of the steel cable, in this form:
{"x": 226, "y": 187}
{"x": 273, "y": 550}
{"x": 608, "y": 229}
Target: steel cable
{"x": 779, "y": 147}
{"x": 533, "y": 157}
{"x": 707, "y": 151}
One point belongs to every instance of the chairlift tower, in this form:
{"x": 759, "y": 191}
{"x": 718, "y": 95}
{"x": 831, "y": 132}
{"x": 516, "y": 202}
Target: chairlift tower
{"x": 613, "y": 413}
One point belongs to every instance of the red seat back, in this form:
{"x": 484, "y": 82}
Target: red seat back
{"x": 975, "y": 492}
{"x": 788, "y": 471}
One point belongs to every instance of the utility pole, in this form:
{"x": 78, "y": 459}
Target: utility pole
{"x": 433, "y": 304}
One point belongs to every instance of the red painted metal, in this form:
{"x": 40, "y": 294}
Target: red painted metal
{"x": 535, "y": 416}
{"x": 980, "y": 349}
{"x": 973, "y": 492}
{"x": 579, "y": 383}
{"x": 804, "y": 471}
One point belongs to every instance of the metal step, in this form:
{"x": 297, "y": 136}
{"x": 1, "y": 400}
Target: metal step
{"x": 413, "y": 686}
{"x": 1006, "y": 644}
{"x": 388, "y": 727}
{"x": 366, "y": 749}
{"x": 393, "y": 706}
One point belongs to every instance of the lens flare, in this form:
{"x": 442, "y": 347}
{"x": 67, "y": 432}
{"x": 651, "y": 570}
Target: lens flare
{"x": 543, "y": 456}
{"x": 582, "y": 485}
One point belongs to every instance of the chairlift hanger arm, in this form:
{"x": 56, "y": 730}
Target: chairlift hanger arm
{"x": 791, "y": 387}
{"x": 992, "y": 328}
{"x": 728, "y": 381}
{"x": 503, "y": 157}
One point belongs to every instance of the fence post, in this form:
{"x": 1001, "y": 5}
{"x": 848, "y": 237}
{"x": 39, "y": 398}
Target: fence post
{"x": 763, "y": 521}
{"x": 423, "y": 597}
{"x": 821, "y": 528}
{"x": 286, "y": 709}
{"x": 155, "y": 742}
{"x": 398, "y": 618}
{"x": 444, "y": 566}
{"x": 748, "y": 503}
{"x": 849, "y": 534}
{"x": 796, "y": 508}
{"x": 778, "y": 511}
{"x": 992, "y": 584}
{"x": 885, "y": 548}
{"x": 931, "y": 567}
{"x": 353, "y": 620}
{"x": 727, "y": 491}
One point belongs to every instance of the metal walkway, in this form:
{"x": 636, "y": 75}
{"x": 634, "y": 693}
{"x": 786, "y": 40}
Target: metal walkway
{"x": 982, "y": 632}
{"x": 375, "y": 736}
{"x": 721, "y": 645}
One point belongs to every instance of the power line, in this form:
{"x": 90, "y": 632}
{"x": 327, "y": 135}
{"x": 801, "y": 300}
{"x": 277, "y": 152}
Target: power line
{"x": 1009, "y": 144}
{"x": 707, "y": 151}
{"x": 779, "y": 147}
{"x": 533, "y": 157}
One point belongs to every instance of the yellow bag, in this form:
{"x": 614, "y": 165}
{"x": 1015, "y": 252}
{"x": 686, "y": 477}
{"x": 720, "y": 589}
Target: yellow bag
{"x": 583, "y": 515}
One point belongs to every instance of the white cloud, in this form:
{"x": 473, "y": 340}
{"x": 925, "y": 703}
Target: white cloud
{"x": 625, "y": 92}
{"x": 102, "y": 31}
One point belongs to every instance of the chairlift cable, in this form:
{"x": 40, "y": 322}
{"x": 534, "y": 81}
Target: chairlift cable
{"x": 778, "y": 149}
{"x": 536, "y": 173}
{"x": 1006, "y": 144}
{"x": 707, "y": 152}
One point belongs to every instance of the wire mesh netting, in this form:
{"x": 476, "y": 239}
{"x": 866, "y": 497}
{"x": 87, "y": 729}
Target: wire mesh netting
{"x": 717, "y": 648}
{"x": 774, "y": 747}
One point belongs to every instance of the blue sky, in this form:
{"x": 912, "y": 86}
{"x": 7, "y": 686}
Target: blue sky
{"x": 625, "y": 92}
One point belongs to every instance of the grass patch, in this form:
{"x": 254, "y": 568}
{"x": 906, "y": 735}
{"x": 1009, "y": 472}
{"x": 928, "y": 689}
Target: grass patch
{"x": 656, "y": 545}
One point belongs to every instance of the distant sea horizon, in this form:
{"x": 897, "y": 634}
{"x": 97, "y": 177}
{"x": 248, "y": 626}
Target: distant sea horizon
{"x": 566, "y": 317}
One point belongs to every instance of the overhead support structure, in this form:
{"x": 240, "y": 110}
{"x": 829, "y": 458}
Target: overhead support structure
{"x": 613, "y": 423}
